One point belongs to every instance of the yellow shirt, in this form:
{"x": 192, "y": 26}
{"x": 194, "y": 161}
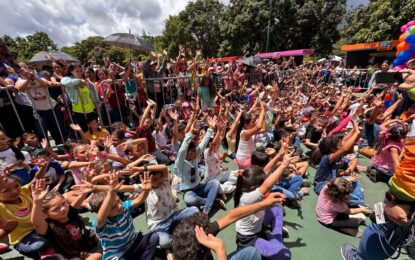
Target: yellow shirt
{"x": 97, "y": 135}
{"x": 85, "y": 101}
{"x": 21, "y": 213}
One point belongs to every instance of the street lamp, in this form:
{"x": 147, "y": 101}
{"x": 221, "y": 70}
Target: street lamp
{"x": 269, "y": 25}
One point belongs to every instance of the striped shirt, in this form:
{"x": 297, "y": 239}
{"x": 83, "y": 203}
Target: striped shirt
{"x": 118, "y": 233}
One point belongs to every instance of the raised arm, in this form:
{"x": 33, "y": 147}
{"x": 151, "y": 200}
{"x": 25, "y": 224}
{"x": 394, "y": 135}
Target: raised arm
{"x": 39, "y": 191}
{"x": 242, "y": 211}
{"x": 106, "y": 206}
{"x": 347, "y": 143}
{"x": 234, "y": 125}
{"x": 273, "y": 178}
{"x": 250, "y": 132}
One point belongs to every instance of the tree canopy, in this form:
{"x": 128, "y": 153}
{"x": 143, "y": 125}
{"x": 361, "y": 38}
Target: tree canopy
{"x": 24, "y": 48}
{"x": 380, "y": 20}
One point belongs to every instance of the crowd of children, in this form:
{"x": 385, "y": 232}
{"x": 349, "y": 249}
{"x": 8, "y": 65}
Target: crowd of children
{"x": 116, "y": 154}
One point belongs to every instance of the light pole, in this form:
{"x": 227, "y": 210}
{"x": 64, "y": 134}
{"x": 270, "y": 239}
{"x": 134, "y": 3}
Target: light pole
{"x": 269, "y": 25}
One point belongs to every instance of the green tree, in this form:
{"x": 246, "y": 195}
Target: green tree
{"x": 25, "y": 48}
{"x": 293, "y": 24}
{"x": 378, "y": 21}
{"x": 196, "y": 27}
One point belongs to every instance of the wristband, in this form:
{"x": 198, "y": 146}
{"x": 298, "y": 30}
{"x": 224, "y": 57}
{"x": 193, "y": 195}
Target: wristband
{"x": 112, "y": 191}
{"x": 145, "y": 168}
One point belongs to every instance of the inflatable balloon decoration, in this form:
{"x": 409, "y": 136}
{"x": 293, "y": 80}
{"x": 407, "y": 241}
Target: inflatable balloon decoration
{"x": 406, "y": 46}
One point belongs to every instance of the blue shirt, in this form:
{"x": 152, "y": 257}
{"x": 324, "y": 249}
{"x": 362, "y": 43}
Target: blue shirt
{"x": 326, "y": 170}
{"x": 118, "y": 233}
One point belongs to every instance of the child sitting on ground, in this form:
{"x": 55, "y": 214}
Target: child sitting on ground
{"x": 11, "y": 160}
{"x": 332, "y": 210}
{"x": 114, "y": 224}
{"x": 386, "y": 158}
{"x": 59, "y": 222}
{"x": 15, "y": 210}
{"x": 185, "y": 246}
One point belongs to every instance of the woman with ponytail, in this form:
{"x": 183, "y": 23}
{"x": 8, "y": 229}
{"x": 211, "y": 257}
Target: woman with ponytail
{"x": 248, "y": 127}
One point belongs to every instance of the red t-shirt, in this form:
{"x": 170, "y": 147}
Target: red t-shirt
{"x": 146, "y": 133}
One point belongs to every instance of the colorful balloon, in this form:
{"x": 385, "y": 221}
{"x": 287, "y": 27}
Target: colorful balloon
{"x": 398, "y": 62}
{"x": 399, "y": 67}
{"x": 403, "y": 37}
{"x": 412, "y": 30}
{"x": 404, "y": 28}
{"x": 403, "y": 46}
{"x": 411, "y": 23}
{"x": 410, "y": 39}
{"x": 404, "y": 55}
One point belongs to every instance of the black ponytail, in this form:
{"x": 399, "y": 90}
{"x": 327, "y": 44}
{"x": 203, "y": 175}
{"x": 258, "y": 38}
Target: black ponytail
{"x": 238, "y": 190}
{"x": 245, "y": 118}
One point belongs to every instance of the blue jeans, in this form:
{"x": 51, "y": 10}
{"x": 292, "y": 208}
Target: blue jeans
{"x": 289, "y": 186}
{"x": 165, "y": 227}
{"x": 203, "y": 194}
{"x": 356, "y": 197}
{"x": 247, "y": 253}
{"x": 31, "y": 245}
{"x": 371, "y": 247}
{"x": 143, "y": 247}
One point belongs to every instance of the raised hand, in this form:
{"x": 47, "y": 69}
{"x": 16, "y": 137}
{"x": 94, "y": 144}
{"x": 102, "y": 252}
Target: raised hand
{"x": 173, "y": 115}
{"x": 39, "y": 190}
{"x": 76, "y": 127}
{"x": 145, "y": 180}
{"x": 85, "y": 187}
{"x": 274, "y": 197}
{"x": 45, "y": 143}
{"x": 212, "y": 122}
{"x": 209, "y": 241}
{"x": 147, "y": 158}
{"x": 114, "y": 184}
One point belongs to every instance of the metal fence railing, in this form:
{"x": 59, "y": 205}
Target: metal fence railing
{"x": 54, "y": 116}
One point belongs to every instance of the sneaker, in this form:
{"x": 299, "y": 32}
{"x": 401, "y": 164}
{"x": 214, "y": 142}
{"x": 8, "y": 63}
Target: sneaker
{"x": 221, "y": 204}
{"x": 285, "y": 232}
{"x": 307, "y": 183}
{"x": 304, "y": 192}
{"x": 348, "y": 252}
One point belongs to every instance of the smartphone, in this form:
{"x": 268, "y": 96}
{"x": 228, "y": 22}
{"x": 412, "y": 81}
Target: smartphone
{"x": 388, "y": 77}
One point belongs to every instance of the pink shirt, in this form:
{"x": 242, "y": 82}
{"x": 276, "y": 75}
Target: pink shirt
{"x": 326, "y": 209}
{"x": 383, "y": 159}
{"x": 77, "y": 174}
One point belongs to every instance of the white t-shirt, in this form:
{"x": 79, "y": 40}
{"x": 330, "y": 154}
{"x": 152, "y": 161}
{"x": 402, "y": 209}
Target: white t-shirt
{"x": 160, "y": 204}
{"x": 245, "y": 148}
{"x": 113, "y": 150}
{"x": 39, "y": 97}
{"x": 10, "y": 155}
{"x": 251, "y": 224}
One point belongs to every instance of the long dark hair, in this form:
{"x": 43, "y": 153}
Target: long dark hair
{"x": 250, "y": 179}
{"x": 210, "y": 86}
{"x": 70, "y": 69}
{"x": 245, "y": 118}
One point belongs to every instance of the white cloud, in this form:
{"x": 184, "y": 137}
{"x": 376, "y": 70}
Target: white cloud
{"x": 68, "y": 21}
